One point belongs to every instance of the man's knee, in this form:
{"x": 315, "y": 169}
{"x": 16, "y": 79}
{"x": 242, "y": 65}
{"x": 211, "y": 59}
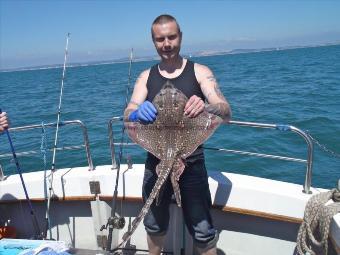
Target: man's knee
{"x": 152, "y": 231}
{"x": 206, "y": 240}
{"x": 155, "y": 226}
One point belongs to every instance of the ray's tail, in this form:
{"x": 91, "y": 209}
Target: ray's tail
{"x": 165, "y": 167}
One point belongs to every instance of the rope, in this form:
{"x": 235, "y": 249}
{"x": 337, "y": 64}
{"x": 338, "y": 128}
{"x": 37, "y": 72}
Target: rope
{"x": 322, "y": 146}
{"x": 319, "y": 212}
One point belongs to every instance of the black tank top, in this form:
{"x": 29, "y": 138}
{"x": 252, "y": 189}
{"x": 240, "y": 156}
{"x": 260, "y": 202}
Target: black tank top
{"x": 188, "y": 84}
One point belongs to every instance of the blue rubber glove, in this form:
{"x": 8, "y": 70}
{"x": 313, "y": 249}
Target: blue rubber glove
{"x": 146, "y": 113}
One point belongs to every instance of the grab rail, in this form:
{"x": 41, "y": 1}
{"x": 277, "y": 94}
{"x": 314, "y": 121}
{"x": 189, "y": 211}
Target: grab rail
{"x": 86, "y": 144}
{"x": 280, "y": 127}
{"x": 305, "y": 136}
{"x": 111, "y": 140}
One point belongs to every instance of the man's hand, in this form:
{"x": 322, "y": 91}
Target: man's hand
{"x": 194, "y": 106}
{"x": 3, "y": 121}
{"x": 145, "y": 114}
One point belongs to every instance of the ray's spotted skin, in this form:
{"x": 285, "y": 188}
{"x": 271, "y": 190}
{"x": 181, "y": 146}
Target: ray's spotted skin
{"x": 171, "y": 138}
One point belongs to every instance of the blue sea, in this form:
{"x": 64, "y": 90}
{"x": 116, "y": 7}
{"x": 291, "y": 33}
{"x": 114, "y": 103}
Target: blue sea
{"x": 299, "y": 87}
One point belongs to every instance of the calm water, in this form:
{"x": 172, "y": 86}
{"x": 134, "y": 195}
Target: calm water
{"x": 300, "y": 87}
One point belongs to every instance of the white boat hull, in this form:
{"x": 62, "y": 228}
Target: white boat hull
{"x": 254, "y": 215}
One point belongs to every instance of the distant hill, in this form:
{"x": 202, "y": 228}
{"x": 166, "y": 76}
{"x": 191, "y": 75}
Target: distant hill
{"x": 156, "y": 57}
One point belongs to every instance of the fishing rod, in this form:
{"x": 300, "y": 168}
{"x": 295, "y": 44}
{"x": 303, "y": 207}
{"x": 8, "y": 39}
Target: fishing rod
{"x": 38, "y": 234}
{"x": 115, "y": 221}
{"x": 47, "y": 218}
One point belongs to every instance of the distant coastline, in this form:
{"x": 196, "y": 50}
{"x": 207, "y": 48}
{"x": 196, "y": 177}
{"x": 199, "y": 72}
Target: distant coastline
{"x": 203, "y": 53}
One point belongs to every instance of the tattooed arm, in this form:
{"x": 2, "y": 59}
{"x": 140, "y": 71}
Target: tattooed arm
{"x": 217, "y": 104}
{"x": 138, "y": 95}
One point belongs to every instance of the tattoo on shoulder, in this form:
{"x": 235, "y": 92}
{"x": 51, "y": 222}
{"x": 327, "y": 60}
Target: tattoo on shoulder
{"x": 216, "y": 88}
{"x": 211, "y": 78}
{"x": 218, "y": 91}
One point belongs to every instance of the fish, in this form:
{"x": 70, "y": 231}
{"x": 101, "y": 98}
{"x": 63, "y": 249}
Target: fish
{"x": 172, "y": 137}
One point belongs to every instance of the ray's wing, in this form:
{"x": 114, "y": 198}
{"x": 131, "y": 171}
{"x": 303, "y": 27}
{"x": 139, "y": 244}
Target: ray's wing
{"x": 150, "y": 137}
{"x": 197, "y": 131}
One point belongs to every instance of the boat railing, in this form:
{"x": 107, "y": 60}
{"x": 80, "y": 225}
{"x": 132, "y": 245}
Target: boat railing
{"x": 85, "y": 145}
{"x": 280, "y": 127}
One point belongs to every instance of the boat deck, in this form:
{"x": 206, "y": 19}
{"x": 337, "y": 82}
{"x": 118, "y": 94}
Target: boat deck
{"x": 263, "y": 213}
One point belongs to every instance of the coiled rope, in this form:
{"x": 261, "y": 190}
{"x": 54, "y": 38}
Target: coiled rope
{"x": 313, "y": 233}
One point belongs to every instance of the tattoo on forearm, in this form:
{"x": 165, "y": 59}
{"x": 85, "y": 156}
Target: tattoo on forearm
{"x": 220, "y": 109}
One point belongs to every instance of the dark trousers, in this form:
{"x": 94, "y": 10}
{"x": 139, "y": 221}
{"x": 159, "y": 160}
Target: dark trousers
{"x": 196, "y": 204}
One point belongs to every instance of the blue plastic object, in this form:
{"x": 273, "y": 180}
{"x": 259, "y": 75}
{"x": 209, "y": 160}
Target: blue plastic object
{"x": 30, "y": 247}
{"x": 283, "y": 127}
{"x": 146, "y": 113}
{"x": 16, "y": 246}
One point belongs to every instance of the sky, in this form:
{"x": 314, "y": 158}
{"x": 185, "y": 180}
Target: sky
{"x": 33, "y": 32}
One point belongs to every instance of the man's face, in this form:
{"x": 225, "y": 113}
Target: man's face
{"x": 167, "y": 40}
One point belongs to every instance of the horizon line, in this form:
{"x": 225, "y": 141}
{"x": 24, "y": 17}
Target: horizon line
{"x": 200, "y": 53}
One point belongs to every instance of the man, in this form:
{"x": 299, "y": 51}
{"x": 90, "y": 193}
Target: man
{"x": 3, "y": 121}
{"x": 198, "y": 83}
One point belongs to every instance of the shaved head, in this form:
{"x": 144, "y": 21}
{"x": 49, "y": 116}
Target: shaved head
{"x": 162, "y": 19}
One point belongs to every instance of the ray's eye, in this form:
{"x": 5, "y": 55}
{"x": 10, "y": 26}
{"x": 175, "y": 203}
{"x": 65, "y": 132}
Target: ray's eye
{"x": 174, "y": 98}
{"x": 175, "y": 103}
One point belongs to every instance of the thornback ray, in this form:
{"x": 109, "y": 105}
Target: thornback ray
{"x": 172, "y": 137}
